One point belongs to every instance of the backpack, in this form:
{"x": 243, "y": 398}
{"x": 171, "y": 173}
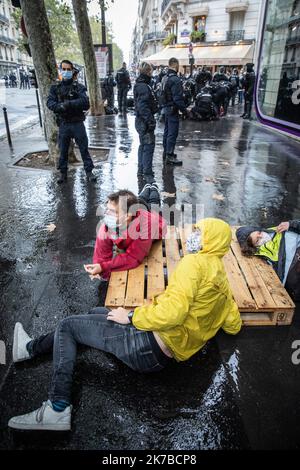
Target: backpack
{"x": 292, "y": 284}
{"x": 162, "y": 93}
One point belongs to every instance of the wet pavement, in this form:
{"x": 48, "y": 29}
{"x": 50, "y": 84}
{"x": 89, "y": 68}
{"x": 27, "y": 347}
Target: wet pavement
{"x": 21, "y": 108}
{"x": 239, "y": 392}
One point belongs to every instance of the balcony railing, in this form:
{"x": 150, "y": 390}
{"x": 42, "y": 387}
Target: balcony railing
{"x": 235, "y": 35}
{"x": 4, "y": 19}
{"x": 166, "y": 3}
{"x": 7, "y": 40}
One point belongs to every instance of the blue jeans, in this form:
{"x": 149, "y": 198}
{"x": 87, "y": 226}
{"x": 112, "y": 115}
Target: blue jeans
{"x": 171, "y": 130}
{"x": 137, "y": 349}
{"x": 146, "y": 150}
{"x": 73, "y": 130}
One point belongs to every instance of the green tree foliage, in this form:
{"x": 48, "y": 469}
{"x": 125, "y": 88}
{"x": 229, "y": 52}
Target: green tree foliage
{"x": 64, "y": 35}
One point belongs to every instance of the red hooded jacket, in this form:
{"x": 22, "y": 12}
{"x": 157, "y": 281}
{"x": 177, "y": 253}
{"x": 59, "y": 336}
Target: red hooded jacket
{"x": 135, "y": 241}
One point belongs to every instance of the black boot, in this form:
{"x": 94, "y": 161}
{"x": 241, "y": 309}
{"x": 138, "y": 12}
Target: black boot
{"x": 62, "y": 178}
{"x": 172, "y": 160}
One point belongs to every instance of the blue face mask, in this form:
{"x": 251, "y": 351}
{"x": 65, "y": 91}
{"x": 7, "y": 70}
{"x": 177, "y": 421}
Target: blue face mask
{"x": 67, "y": 74}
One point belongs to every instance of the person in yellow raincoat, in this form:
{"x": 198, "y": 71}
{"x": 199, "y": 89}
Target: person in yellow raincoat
{"x": 178, "y": 323}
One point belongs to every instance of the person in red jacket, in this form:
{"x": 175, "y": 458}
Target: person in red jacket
{"x": 126, "y": 235}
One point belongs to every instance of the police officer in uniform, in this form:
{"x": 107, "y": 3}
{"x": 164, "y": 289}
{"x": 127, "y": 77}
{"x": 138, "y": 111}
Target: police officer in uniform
{"x": 248, "y": 84}
{"x": 173, "y": 101}
{"x": 124, "y": 84}
{"x": 68, "y": 100}
{"x": 109, "y": 84}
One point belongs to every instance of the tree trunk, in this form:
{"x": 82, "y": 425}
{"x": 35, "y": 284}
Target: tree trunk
{"x": 86, "y": 42}
{"x": 40, "y": 41}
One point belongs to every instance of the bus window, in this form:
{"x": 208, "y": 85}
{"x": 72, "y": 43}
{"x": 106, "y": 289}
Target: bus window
{"x": 278, "y": 87}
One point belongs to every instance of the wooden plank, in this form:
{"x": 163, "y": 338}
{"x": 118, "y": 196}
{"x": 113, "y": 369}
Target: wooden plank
{"x": 284, "y": 317}
{"x": 273, "y": 284}
{"x": 258, "y": 319}
{"x": 172, "y": 250}
{"x": 259, "y": 291}
{"x": 155, "y": 276}
{"x": 116, "y": 290}
{"x": 239, "y": 287}
{"x": 184, "y": 233}
{"x": 135, "y": 287}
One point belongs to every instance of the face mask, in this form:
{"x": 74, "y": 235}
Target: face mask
{"x": 265, "y": 238}
{"x": 67, "y": 74}
{"x": 193, "y": 242}
{"x": 110, "y": 221}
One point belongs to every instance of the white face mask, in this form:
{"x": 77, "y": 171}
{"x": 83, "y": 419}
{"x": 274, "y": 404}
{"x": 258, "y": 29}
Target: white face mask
{"x": 265, "y": 238}
{"x": 193, "y": 242}
{"x": 110, "y": 221}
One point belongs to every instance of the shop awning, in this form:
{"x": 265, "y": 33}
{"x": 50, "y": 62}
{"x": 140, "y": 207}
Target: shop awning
{"x": 237, "y": 54}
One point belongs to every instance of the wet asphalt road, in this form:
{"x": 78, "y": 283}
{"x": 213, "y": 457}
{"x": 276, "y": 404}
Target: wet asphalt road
{"x": 239, "y": 392}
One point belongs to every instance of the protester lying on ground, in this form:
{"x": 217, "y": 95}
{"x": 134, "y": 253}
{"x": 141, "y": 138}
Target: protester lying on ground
{"x": 196, "y": 304}
{"x": 127, "y": 229}
{"x": 280, "y": 247}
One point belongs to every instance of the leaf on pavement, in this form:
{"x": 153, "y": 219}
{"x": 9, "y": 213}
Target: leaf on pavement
{"x": 210, "y": 179}
{"x": 218, "y": 197}
{"x": 51, "y": 227}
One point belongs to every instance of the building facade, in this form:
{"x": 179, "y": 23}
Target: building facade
{"x": 11, "y": 59}
{"x": 210, "y": 23}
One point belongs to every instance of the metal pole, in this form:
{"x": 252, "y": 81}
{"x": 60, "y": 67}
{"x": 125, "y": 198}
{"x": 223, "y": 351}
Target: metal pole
{"x": 103, "y": 26}
{"x": 39, "y": 107}
{"x": 7, "y": 126}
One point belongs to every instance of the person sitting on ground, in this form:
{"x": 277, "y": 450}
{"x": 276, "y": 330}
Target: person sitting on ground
{"x": 280, "y": 247}
{"x": 196, "y": 304}
{"x": 129, "y": 228}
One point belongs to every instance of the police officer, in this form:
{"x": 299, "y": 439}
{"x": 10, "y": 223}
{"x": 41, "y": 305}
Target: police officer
{"x": 202, "y": 77}
{"x": 109, "y": 84}
{"x": 124, "y": 84}
{"x": 172, "y": 100}
{"x": 248, "y": 84}
{"x": 68, "y": 100}
{"x": 234, "y": 81}
{"x": 145, "y": 107}
{"x": 220, "y": 76}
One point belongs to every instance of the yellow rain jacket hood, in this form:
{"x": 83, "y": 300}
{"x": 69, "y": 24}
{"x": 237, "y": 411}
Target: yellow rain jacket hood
{"x": 198, "y": 300}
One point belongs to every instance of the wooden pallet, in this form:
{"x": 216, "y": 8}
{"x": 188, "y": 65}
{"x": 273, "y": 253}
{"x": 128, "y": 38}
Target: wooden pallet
{"x": 260, "y": 296}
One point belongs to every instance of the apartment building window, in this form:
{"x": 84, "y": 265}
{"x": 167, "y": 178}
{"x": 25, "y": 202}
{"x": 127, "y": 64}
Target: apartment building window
{"x": 237, "y": 20}
{"x": 199, "y": 23}
{"x": 293, "y": 54}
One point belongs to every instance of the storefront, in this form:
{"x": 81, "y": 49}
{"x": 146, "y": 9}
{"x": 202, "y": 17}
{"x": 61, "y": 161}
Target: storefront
{"x": 212, "y": 56}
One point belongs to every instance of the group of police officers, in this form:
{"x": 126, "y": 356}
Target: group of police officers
{"x": 69, "y": 101}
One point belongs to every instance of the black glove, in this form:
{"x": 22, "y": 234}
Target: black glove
{"x": 151, "y": 126}
{"x": 62, "y": 107}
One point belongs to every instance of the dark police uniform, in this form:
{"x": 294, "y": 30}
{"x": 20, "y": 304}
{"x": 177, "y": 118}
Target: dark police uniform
{"x": 124, "y": 84}
{"x": 174, "y": 102}
{"x": 248, "y": 84}
{"x": 145, "y": 108}
{"x": 68, "y": 100}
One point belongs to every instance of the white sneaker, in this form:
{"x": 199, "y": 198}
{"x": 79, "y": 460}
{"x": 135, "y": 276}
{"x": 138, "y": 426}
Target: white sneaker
{"x": 43, "y": 419}
{"x": 21, "y": 338}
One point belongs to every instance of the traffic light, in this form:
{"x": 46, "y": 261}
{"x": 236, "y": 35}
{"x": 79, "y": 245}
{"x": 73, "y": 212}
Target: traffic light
{"x": 33, "y": 80}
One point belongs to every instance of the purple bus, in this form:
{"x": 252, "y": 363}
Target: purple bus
{"x": 277, "y": 96}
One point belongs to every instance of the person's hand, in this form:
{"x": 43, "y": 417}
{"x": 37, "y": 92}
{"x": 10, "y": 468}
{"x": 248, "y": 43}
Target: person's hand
{"x": 93, "y": 269}
{"x": 119, "y": 315}
{"x": 62, "y": 107}
{"x": 283, "y": 227}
